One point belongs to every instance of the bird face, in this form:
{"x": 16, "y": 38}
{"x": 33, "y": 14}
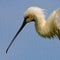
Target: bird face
{"x": 29, "y": 18}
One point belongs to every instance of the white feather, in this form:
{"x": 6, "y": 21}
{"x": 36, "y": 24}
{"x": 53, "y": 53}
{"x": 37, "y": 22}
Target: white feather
{"x": 45, "y": 28}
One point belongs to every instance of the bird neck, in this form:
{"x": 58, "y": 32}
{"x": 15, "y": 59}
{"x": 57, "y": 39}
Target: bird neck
{"x": 42, "y": 27}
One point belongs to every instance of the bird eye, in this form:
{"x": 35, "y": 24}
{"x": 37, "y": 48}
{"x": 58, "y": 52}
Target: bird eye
{"x": 26, "y": 17}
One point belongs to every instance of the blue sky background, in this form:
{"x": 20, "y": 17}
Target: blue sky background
{"x": 28, "y": 45}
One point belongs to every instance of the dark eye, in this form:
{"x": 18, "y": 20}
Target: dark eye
{"x": 26, "y": 17}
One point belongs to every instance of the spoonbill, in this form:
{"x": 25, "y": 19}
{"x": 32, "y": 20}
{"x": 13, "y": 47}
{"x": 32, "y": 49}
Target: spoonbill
{"x": 46, "y": 28}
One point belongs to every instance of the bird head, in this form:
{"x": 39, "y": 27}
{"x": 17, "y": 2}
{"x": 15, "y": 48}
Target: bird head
{"x": 29, "y": 15}
{"x": 32, "y": 13}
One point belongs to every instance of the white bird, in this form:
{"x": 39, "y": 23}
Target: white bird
{"x": 46, "y": 28}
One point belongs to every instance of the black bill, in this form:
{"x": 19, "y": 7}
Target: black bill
{"x": 24, "y": 23}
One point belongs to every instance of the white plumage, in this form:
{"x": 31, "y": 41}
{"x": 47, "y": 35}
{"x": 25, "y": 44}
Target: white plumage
{"x": 46, "y": 28}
